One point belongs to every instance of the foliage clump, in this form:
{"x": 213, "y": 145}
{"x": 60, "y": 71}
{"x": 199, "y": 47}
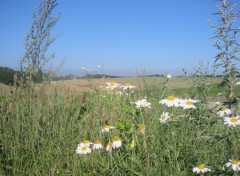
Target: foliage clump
{"x": 226, "y": 41}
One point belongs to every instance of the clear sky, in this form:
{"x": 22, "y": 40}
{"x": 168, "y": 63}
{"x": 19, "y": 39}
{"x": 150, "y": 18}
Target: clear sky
{"x": 158, "y": 36}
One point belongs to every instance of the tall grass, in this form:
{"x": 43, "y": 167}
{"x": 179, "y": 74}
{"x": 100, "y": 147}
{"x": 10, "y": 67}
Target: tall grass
{"x": 41, "y": 128}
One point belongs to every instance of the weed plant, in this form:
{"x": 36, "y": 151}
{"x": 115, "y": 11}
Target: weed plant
{"x": 226, "y": 41}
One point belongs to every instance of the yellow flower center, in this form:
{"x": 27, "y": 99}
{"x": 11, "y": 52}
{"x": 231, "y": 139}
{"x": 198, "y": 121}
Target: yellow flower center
{"x": 109, "y": 144}
{"x": 106, "y": 126}
{"x": 116, "y": 138}
{"x": 84, "y": 148}
{"x": 164, "y": 117}
{"x": 86, "y": 141}
{"x": 234, "y": 162}
{"x": 170, "y": 98}
{"x": 234, "y": 120}
{"x": 189, "y": 103}
{"x": 128, "y": 84}
{"x": 223, "y": 108}
{"x": 201, "y": 166}
{"x": 112, "y": 84}
{"x": 141, "y": 127}
{"x": 97, "y": 142}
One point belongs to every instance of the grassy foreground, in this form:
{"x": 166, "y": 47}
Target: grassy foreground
{"x": 40, "y": 130}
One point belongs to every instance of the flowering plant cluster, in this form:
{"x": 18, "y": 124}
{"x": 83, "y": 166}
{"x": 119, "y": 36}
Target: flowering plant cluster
{"x": 114, "y": 85}
{"x": 226, "y": 113}
{"x": 234, "y": 164}
{"x": 171, "y": 102}
{"x": 86, "y": 147}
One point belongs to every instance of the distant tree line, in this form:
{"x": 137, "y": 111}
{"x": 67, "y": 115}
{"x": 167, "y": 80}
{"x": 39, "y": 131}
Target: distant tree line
{"x": 100, "y": 76}
{"x": 7, "y": 75}
{"x": 87, "y": 76}
{"x": 153, "y": 75}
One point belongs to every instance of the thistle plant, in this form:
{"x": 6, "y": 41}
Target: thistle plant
{"x": 226, "y": 34}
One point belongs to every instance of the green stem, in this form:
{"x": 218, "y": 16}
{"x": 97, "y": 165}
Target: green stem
{"x": 145, "y": 141}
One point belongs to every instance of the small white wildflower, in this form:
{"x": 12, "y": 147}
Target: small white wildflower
{"x": 107, "y": 128}
{"x": 97, "y": 145}
{"x": 169, "y": 76}
{"x": 109, "y": 146}
{"x": 164, "y": 117}
{"x": 141, "y": 128}
{"x": 235, "y": 164}
{"x": 170, "y": 101}
{"x": 224, "y": 111}
{"x": 142, "y": 104}
{"x": 86, "y": 143}
{"x": 188, "y": 104}
{"x": 116, "y": 142}
{"x": 232, "y": 121}
{"x": 201, "y": 169}
{"x": 112, "y": 85}
{"x": 83, "y": 149}
{"x": 128, "y": 86}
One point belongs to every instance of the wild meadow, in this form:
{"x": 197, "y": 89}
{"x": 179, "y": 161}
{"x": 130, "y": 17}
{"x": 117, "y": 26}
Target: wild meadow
{"x": 144, "y": 129}
{"x": 140, "y": 126}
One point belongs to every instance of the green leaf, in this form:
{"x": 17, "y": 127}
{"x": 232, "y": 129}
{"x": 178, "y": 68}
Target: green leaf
{"x": 216, "y": 66}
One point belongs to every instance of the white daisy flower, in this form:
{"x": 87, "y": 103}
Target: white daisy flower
{"x": 141, "y": 128}
{"x": 109, "y": 146}
{"x": 170, "y": 101}
{"x": 201, "y": 168}
{"x": 164, "y": 117}
{"x": 169, "y": 76}
{"x": 142, "y": 104}
{"x": 83, "y": 150}
{"x": 128, "y": 86}
{"x": 188, "y": 104}
{"x": 235, "y": 164}
{"x": 85, "y": 143}
{"x": 116, "y": 142}
{"x": 224, "y": 111}
{"x": 107, "y": 128}
{"x": 112, "y": 85}
{"x": 232, "y": 121}
{"x": 97, "y": 145}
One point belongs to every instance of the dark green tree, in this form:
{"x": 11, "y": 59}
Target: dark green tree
{"x": 7, "y": 75}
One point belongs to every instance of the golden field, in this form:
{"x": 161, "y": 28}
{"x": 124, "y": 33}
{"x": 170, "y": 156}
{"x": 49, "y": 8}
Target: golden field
{"x": 84, "y": 85}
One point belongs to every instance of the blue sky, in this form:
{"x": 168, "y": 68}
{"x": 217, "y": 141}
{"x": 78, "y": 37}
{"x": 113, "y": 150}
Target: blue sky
{"x": 157, "y": 36}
